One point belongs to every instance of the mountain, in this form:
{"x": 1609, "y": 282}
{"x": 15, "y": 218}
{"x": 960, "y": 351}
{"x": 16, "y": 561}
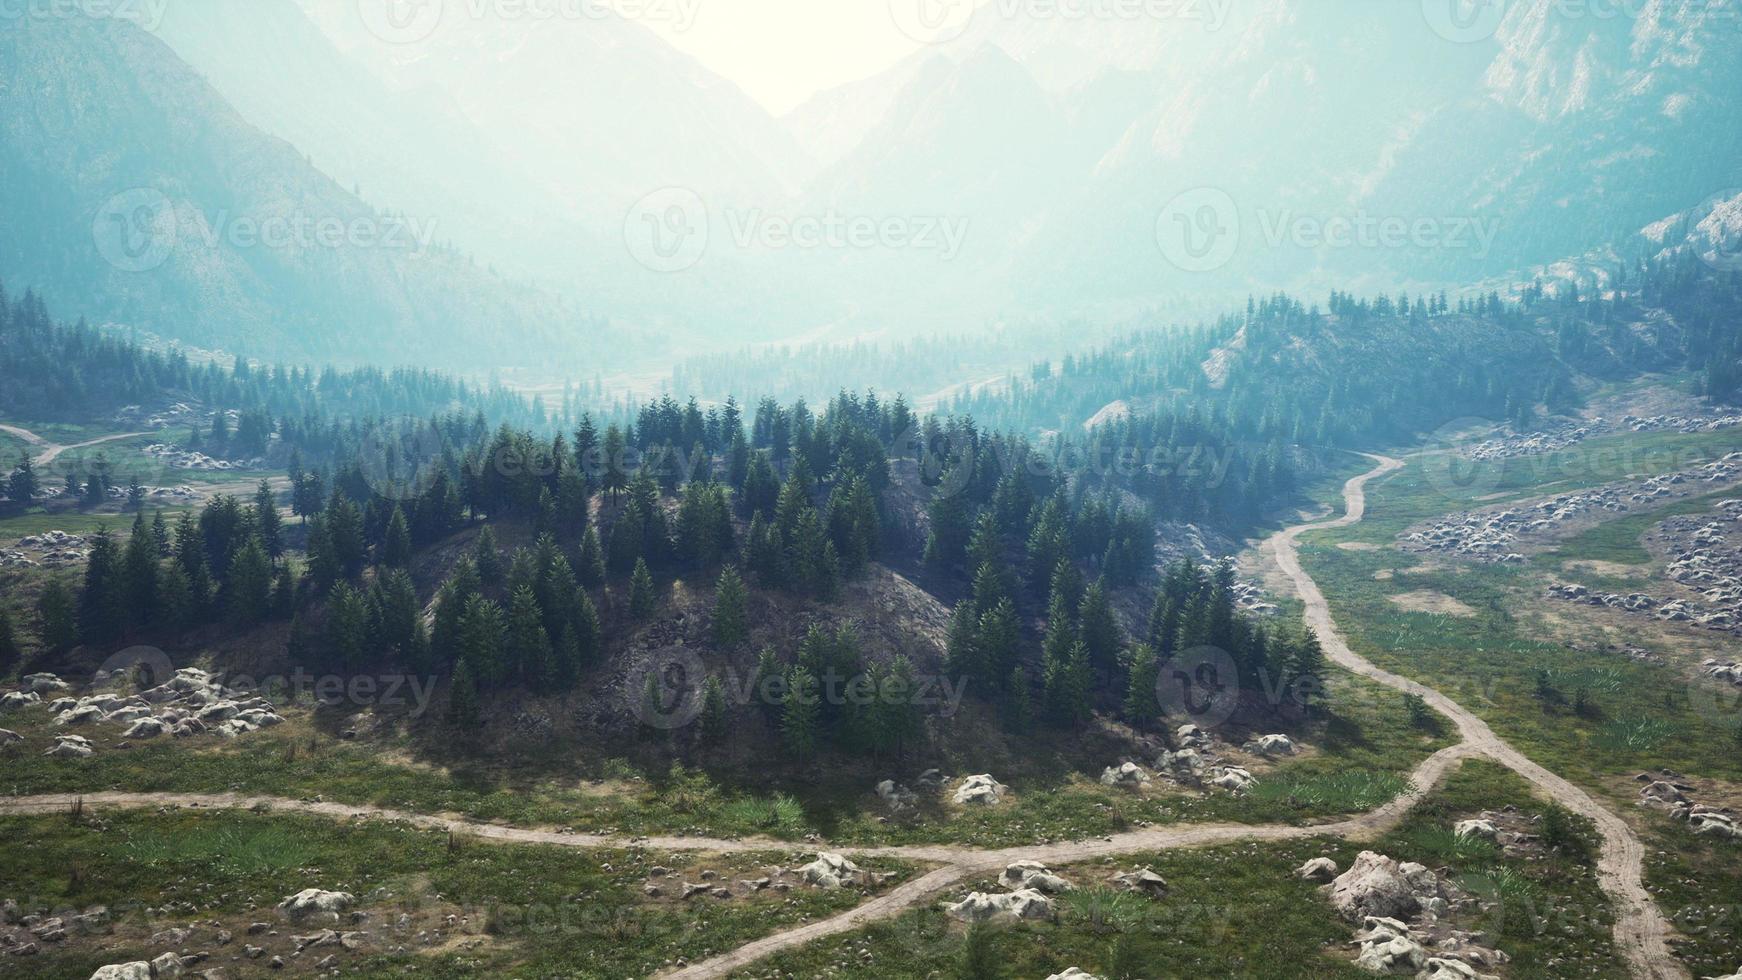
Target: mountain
{"x": 135, "y": 193}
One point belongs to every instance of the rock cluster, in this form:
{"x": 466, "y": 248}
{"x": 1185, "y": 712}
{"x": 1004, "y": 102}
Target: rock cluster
{"x": 1497, "y": 535}
{"x": 50, "y": 548}
{"x": 1566, "y": 433}
{"x": 1705, "y": 558}
{"x": 1399, "y": 907}
{"x": 1033, "y": 874}
{"x": 830, "y": 871}
{"x": 1016, "y": 906}
{"x": 1195, "y": 763}
{"x": 316, "y": 903}
{"x": 1141, "y": 881}
{"x": 1271, "y": 745}
{"x": 1665, "y": 790}
{"x": 185, "y": 459}
{"x": 190, "y": 703}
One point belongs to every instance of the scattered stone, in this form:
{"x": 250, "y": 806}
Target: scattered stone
{"x": 1319, "y": 869}
{"x": 1127, "y": 775}
{"x": 1271, "y": 745}
{"x": 1017, "y": 906}
{"x": 830, "y": 871}
{"x": 1479, "y": 829}
{"x": 312, "y": 902}
{"x": 1033, "y": 874}
{"x": 1142, "y": 881}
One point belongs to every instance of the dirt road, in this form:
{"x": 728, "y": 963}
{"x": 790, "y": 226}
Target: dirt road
{"x": 51, "y": 451}
{"x": 1641, "y": 931}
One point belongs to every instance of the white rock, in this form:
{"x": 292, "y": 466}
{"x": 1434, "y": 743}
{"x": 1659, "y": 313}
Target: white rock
{"x": 1128, "y": 775}
{"x": 70, "y": 747}
{"x": 1481, "y": 829}
{"x": 1231, "y": 778}
{"x": 1374, "y": 885}
{"x": 1272, "y": 745}
{"x": 1143, "y": 881}
{"x": 1073, "y": 974}
{"x": 140, "y": 970}
{"x": 1012, "y": 907}
{"x": 44, "y": 683}
{"x": 829, "y": 871}
{"x": 18, "y": 699}
{"x": 166, "y": 966}
{"x": 1033, "y": 874}
{"x": 1440, "y": 968}
{"x": 981, "y": 790}
{"x": 145, "y": 728}
{"x": 1319, "y": 869}
{"x": 314, "y": 901}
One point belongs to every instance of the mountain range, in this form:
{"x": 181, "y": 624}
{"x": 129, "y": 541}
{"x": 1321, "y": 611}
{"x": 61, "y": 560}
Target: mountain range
{"x": 1359, "y": 146}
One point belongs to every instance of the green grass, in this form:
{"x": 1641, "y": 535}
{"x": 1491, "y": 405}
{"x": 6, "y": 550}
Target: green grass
{"x": 551, "y": 911}
{"x": 1239, "y": 911}
{"x": 1618, "y": 540}
{"x": 1365, "y": 746}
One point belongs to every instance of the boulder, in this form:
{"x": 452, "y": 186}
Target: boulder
{"x": 1661, "y": 792}
{"x": 1441, "y": 968}
{"x": 1073, "y": 974}
{"x": 70, "y": 747}
{"x": 1012, "y": 907}
{"x": 1033, "y": 874}
{"x": 165, "y": 966}
{"x": 1231, "y": 778}
{"x": 1271, "y": 746}
{"x": 1400, "y": 954}
{"x": 44, "y": 683}
{"x": 1128, "y": 775}
{"x": 1374, "y": 885}
{"x": 829, "y": 871}
{"x": 981, "y": 790}
{"x": 1319, "y": 869}
{"x": 83, "y": 714}
{"x": 1714, "y": 824}
{"x": 897, "y": 796}
{"x": 145, "y": 728}
{"x": 8, "y": 737}
{"x": 1142, "y": 881}
{"x": 19, "y": 699}
{"x": 1191, "y": 736}
{"x": 140, "y": 970}
{"x": 1183, "y": 762}
{"x": 1479, "y": 829}
{"x": 314, "y": 902}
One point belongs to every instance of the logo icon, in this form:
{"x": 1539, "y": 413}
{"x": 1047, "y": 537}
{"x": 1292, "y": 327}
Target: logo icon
{"x": 135, "y": 231}
{"x": 1201, "y": 685}
{"x": 1464, "y": 21}
{"x": 932, "y": 21}
{"x": 668, "y": 691}
{"x": 1452, "y": 470}
{"x": 1199, "y": 231}
{"x": 401, "y": 21}
{"x": 400, "y": 465}
{"x": 667, "y": 231}
{"x": 145, "y": 667}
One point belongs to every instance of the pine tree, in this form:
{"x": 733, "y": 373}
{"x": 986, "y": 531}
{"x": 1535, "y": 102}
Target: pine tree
{"x": 1142, "y": 708}
{"x": 643, "y": 596}
{"x": 1067, "y": 687}
{"x": 487, "y": 558}
{"x": 1306, "y": 668}
{"x": 57, "y": 617}
{"x": 799, "y": 717}
{"x": 347, "y": 628}
{"x": 396, "y": 545}
{"x": 463, "y": 697}
{"x": 482, "y": 636}
{"x": 1018, "y": 706}
{"x": 102, "y": 604}
{"x": 979, "y": 959}
{"x": 160, "y": 535}
{"x": 961, "y": 649}
{"x": 898, "y": 719}
{"x": 628, "y": 537}
{"x": 768, "y": 670}
{"x": 22, "y": 485}
{"x": 1099, "y": 630}
{"x": 9, "y": 653}
{"x": 175, "y": 606}
{"x": 998, "y": 640}
{"x": 591, "y": 567}
{"x": 248, "y": 593}
{"x": 140, "y": 572}
{"x": 566, "y": 664}
{"x": 399, "y": 617}
{"x": 731, "y": 612}
{"x": 715, "y": 716}
{"x": 529, "y": 652}
{"x": 267, "y": 523}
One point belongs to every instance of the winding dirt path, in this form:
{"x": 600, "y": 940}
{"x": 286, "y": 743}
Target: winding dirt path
{"x": 1641, "y": 933}
{"x": 51, "y": 451}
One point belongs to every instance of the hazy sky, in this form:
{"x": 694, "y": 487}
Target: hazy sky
{"x": 783, "y": 51}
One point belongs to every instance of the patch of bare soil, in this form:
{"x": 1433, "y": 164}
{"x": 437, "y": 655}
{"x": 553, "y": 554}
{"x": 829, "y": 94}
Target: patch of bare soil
{"x": 1359, "y": 546}
{"x": 1431, "y": 602}
{"x": 1608, "y": 569}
